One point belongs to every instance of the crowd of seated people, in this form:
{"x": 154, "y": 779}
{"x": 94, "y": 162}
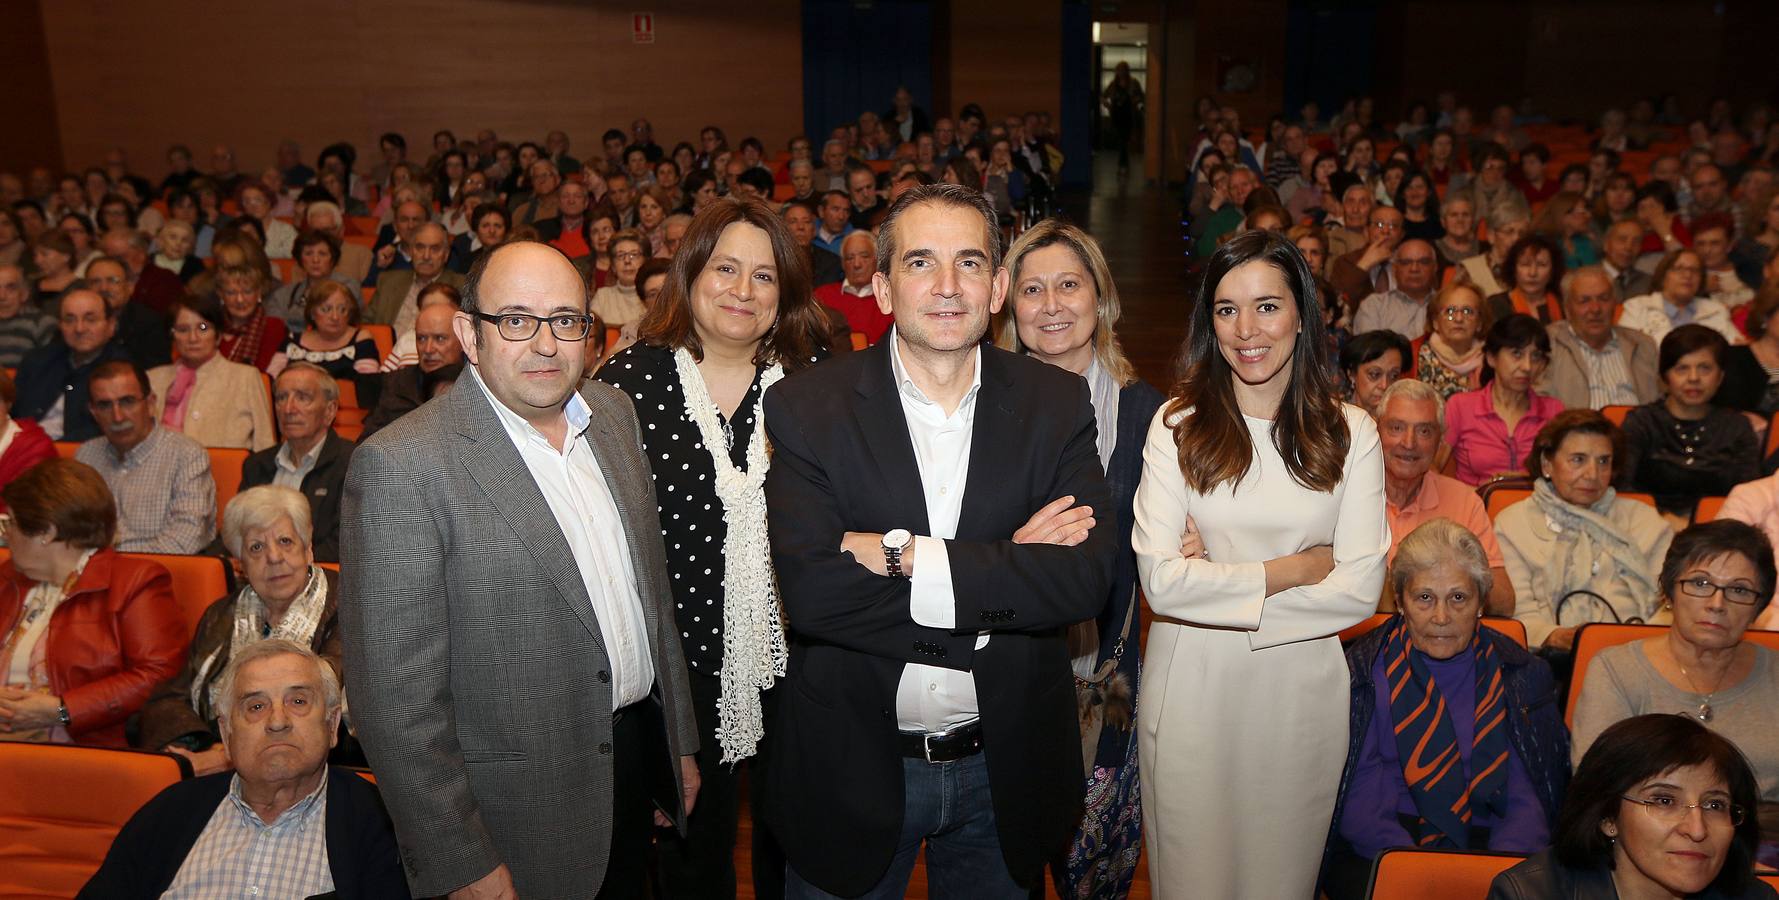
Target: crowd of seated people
{"x": 1489, "y": 295}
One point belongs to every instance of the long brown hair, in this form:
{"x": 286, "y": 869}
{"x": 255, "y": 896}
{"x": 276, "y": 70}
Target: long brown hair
{"x": 1310, "y": 429}
{"x": 800, "y": 328}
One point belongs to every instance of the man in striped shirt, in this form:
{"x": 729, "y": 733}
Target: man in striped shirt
{"x": 282, "y": 824}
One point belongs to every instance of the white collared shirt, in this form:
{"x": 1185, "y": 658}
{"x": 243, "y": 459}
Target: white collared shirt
{"x": 574, "y": 486}
{"x": 290, "y": 472}
{"x": 868, "y": 290}
{"x": 238, "y": 854}
{"x": 929, "y": 698}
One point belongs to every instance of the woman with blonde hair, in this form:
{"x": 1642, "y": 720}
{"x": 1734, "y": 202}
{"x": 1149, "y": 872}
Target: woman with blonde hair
{"x": 1062, "y": 310}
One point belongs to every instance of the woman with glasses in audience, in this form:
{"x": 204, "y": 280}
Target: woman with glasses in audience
{"x": 1259, "y": 535}
{"x": 1491, "y": 428}
{"x": 1659, "y": 807}
{"x": 1576, "y": 550}
{"x": 1450, "y": 357}
{"x": 318, "y": 256}
{"x": 269, "y": 530}
{"x": 1063, "y": 308}
{"x": 332, "y": 339}
{"x": 1430, "y": 683}
{"x": 1617, "y": 202}
{"x": 208, "y": 398}
{"x": 617, "y": 303}
{"x": 1686, "y": 446}
{"x": 249, "y": 335}
{"x": 85, "y": 632}
{"x": 1536, "y": 267}
{"x": 1679, "y": 279}
{"x": 1716, "y": 580}
{"x": 735, "y": 315}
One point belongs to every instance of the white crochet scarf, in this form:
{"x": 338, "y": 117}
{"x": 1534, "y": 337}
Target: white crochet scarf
{"x": 753, "y": 634}
{"x": 299, "y": 624}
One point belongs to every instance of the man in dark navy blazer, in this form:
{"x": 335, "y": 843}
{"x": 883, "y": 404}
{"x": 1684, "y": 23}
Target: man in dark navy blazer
{"x": 930, "y": 504}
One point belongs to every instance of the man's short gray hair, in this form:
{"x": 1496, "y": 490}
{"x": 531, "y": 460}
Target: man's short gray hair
{"x": 330, "y": 388}
{"x": 225, "y": 699}
{"x": 801, "y": 164}
{"x": 953, "y": 195}
{"x": 1413, "y": 390}
{"x": 1437, "y": 541}
{"x": 261, "y": 507}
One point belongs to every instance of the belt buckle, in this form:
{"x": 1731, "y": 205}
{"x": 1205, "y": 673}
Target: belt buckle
{"x": 926, "y": 747}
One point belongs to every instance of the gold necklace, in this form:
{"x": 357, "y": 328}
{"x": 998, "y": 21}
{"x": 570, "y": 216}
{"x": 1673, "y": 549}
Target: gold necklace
{"x": 1704, "y": 712}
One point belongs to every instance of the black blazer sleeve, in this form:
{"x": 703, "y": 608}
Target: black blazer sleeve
{"x": 1004, "y": 586}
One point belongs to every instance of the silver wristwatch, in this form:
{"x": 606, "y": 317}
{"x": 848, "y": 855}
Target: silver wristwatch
{"x": 893, "y": 544}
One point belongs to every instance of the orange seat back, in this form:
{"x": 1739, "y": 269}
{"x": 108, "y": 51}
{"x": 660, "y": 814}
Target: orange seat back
{"x": 348, "y": 393}
{"x": 66, "y": 449}
{"x": 1404, "y": 873}
{"x": 284, "y": 268}
{"x": 61, "y": 806}
{"x": 225, "y": 470}
{"x": 1594, "y": 637}
{"x": 1707, "y": 509}
{"x": 859, "y": 341}
{"x": 1502, "y": 498}
{"x": 1616, "y": 414}
{"x": 198, "y": 581}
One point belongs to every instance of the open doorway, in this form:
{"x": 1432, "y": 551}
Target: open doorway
{"x": 1118, "y": 114}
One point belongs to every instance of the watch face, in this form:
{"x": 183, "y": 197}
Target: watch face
{"x": 898, "y": 538}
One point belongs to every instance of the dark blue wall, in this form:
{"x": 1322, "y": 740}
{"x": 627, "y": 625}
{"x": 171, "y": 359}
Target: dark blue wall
{"x": 856, "y": 53}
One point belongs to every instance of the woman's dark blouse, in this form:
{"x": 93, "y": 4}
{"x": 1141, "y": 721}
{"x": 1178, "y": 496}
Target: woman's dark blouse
{"x": 1679, "y": 462}
{"x": 692, "y": 525}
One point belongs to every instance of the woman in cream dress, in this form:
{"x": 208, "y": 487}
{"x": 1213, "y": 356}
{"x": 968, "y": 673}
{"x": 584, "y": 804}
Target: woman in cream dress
{"x": 1260, "y": 534}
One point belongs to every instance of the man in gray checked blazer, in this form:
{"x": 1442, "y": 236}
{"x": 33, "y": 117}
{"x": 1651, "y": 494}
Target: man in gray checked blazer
{"x": 510, "y": 659}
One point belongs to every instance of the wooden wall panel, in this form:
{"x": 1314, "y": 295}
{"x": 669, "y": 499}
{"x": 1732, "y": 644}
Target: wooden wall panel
{"x": 201, "y": 71}
{"x": 30, "y": 137}
{"x": 1006, "y": 56}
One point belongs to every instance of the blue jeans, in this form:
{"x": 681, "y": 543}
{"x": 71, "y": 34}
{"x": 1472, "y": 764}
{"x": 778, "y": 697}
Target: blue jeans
{"x": 947, "y": 807}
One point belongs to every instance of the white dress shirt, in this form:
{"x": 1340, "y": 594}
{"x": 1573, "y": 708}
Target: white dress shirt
{"x": 932, "y": 699}
{"x": 290, "y": 472}
{"x": 574, "y": 486}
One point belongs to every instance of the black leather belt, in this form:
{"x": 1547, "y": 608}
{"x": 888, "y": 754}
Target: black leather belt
{"x": 959, "y": 742}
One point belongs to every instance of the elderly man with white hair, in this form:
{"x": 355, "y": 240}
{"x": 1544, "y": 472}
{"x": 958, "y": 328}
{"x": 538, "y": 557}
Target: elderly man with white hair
{"x": 853, "y": 295}
{"x": 311, "y": 458}
{"x": 286, "y": 596}
{"x": 1411, "y": 425}
{"x": 283, "y": 823}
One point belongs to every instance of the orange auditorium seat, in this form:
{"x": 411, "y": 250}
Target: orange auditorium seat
{"x": 348, "y": 393}
{"x": 1707, "y": 509}
{"x": 284, "y": 267}
{"x": 1592, "y": 638}
{"x": 225, "y": 470}
{"x": 198, "y": 581}
{"x": 1616, "y": 414}
{"x": 1404, "y": 873}
{"x": 1502, "y": 498}
{"x": 363, "y": 225}
{"x": 61, "y": 806}
{"x": 66, "y": 449}
{"x": 859, "y": 341}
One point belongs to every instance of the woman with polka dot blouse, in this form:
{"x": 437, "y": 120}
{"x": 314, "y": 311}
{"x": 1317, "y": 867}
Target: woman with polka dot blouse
{"x": 735, "y": 315}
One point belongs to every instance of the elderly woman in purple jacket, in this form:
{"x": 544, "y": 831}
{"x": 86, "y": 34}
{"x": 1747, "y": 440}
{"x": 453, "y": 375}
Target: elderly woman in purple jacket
{"x": 1456, "y": 740}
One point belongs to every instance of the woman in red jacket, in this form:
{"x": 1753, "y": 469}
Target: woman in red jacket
{"x": 85, "y": 634}
{"x": 23, "y": 443}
